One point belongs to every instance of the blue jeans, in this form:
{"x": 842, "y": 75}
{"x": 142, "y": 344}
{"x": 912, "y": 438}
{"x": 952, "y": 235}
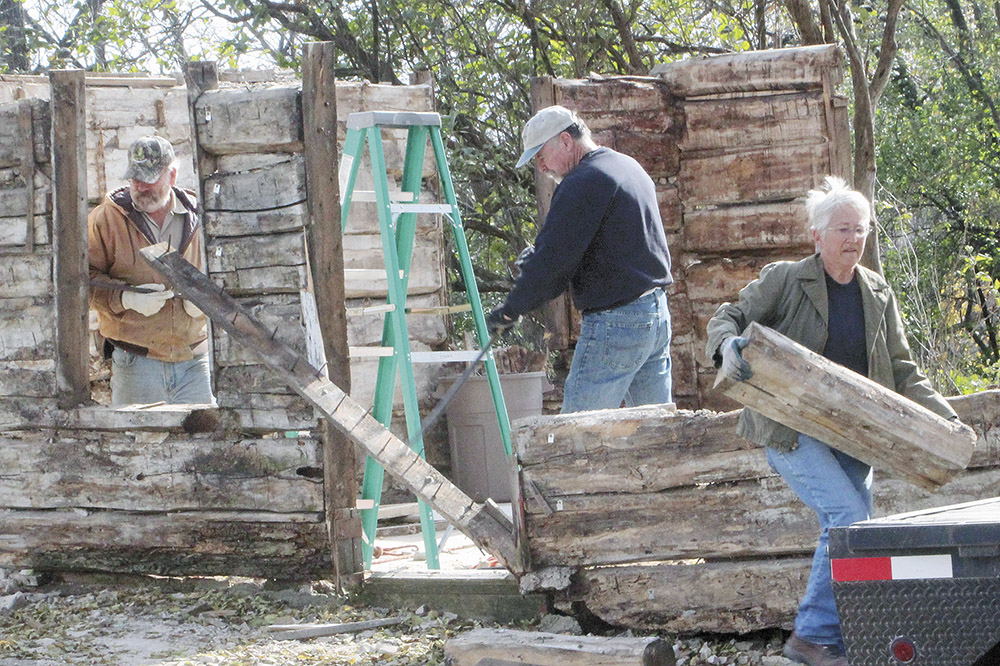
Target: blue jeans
{"x": 138, "y": 379}
{"x": 839, "y": 489}
{"x": 622, "y": 354}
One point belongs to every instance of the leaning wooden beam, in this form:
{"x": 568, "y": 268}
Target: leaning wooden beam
{"x": 485, "y": 523}
{"x": 481, "y": 647}
{"x": 854, "y": 414}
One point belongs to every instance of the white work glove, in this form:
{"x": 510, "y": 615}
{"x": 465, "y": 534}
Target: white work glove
{"x": 733, "y": 365}
{"x": 147, "y": 304}
{"x": 192, "y": 309}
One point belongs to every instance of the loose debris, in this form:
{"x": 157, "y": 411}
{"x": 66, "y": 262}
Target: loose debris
{"x": 142, "y": 621}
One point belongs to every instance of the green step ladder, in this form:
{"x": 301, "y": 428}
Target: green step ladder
{"x": 397, "y": 216}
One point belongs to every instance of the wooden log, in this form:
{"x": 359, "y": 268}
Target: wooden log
{"x": 325, "y": 252}
{"x": 277, "y": 186}
{"x": 26, "y": 276}
{"x": 754, "y": 175}
{"x": 14, "y": 231}
{"x": 12, "y": 140}
{"x": 27, "y": 329}
{"x": 485, "y": 523}
{"x": 227, "y": 223}
{"x": 255, "y": 265}
{"x": 142, "y": 471}
{"x": 364, "y": 251}
{"x": 765, "y": 120}
{"x": 820, "y": 398}
{"x": 250, "y": 120}
{"x": 733, "y": 597}
{"x": 283, "y": 545}
{"x": 69, "y": 218}
{"x": 481, "y": 647}
{"x": 780, "y": 226}
{"x": 776, "y": 69}
{"x": 299, "y": 632}
{"x": 28, "y": 378}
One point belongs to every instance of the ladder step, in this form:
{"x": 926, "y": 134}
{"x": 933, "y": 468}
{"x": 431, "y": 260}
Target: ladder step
{"x": 367, "y": 273}
{"x": 364, "y": 119}
{"x": 444, "y": 356}
{"x": 441, "y": 309}
{"x": 369, "y": 196}
{"x": 398, "y": 208}
{"x": 371, "y": 309}
{"x": 456, "y": 356}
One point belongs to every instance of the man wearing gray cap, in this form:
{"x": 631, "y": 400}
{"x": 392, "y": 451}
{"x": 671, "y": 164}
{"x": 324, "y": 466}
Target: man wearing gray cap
{"x": 158, "y": 343}
{"x": 603, "y": 238}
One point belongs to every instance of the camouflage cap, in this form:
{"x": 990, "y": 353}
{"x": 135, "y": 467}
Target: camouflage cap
{"x": 148, "y": 156}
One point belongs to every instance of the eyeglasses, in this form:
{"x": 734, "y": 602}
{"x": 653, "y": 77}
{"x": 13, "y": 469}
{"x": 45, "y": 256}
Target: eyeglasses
{"x": 844, "y": 232}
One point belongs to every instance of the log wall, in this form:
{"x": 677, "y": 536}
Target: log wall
{"x": 146, "y": 491}
{"x": 733, "y": 143}
{"x": 672, "y": 523}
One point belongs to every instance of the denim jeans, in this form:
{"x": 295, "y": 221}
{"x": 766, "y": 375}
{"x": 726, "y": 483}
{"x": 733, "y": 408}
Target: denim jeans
{"x": 138, "y": 379}
{"x": 622, "y": 354}
{"x": 839, "y": 489}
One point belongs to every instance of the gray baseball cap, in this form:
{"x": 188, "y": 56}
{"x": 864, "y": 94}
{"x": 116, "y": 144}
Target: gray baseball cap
{"x": 148, "y": 156}
{"x": 544, "y": 125}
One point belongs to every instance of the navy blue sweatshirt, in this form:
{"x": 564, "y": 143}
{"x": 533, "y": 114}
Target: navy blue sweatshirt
{"x": 603, "y": 237}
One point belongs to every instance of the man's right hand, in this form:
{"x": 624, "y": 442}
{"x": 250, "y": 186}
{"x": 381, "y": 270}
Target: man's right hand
{"x": 147, "y": 304}
{"x": 498, "y": 322}
{"x": 733, "y": 365}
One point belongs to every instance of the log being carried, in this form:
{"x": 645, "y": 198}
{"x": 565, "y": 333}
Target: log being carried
{"x": 833, "y": 398}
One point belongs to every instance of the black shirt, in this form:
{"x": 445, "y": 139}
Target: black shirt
{"x": 602, "y": 237}
{"x": 846, "y": 343}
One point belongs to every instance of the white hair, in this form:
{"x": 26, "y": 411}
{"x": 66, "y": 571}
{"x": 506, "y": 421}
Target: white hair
{"x": 822, "y": 203}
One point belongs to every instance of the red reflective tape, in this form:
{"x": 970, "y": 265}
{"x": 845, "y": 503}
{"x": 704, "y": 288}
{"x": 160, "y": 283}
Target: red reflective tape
{"x": 862, "y": 568}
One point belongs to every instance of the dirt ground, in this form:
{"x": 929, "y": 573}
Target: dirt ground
{"x": 144, "y": 621}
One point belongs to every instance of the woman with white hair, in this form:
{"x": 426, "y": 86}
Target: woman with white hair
{"x": 847, "y": 313}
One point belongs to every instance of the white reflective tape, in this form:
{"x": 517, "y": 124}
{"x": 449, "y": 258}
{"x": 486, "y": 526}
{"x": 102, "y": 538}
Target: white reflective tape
{"x": 914, "y": 567}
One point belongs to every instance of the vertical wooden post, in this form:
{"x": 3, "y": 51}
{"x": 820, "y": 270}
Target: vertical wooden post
{"x": 72, "y": 277}
{"x": 200, "y": 76}
{"x": 326, "y": 262}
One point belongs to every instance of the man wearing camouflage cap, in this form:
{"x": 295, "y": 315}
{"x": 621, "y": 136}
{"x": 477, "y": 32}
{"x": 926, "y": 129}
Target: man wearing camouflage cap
{"x": 158, "y": 343}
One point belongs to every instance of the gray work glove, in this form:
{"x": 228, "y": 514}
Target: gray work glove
{"x": 733, "y": 365}
{"x": 147, "y": 304}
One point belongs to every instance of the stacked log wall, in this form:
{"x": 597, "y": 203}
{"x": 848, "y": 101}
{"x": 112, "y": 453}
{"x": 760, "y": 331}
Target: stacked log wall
{"x": 733, "y": 144}
{"x": 669, "y": 522}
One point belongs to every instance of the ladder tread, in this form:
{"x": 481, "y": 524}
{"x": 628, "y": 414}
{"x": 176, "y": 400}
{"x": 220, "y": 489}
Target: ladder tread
{"x": 365, "y": 119}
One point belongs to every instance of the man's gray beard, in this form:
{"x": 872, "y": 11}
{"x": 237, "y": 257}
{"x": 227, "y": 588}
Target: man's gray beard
{"x": 141, "y": 202}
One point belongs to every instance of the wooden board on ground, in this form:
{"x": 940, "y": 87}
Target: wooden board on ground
{"x": 482, "y": 647}
{"x": 862, "y": 418}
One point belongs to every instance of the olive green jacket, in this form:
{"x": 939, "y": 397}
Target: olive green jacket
{"x": 791, "y": 298}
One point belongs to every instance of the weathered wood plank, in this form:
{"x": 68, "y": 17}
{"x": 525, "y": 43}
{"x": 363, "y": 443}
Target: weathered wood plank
{"x": 146, "y": 472}
{"x": 27, "y": 329}
{"x": 760, "y": 518}
{"x": 270, "y": 412}
{"x": 26, "y": 276}
{"x": 724, "y": 597}
{"x": 276, "y": 186}
{"x": 485, "y": 524}
{"x": 510, "y": 646}
{"x": 778, "y": 69}
{"x": 69, "y": 219}
{"x": 635, "y": 450}
{"x": 769, "y": 173}
{"x": 259, "y": 264}
{"x": 13, "y": 193}
{"x": 11, "y": 139}
{"x": 279, "y": 313}
{"x": 246, "y": 121}
{"x": 780, "y": 226}
{"x": 14, "y": 231}
{"x": 28, "y": 378}
{"x": 284, "y": 545}
{"x": 742, "y": 122}
{"x": 850, "y": 412}
{"x": 225, "y": 223}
